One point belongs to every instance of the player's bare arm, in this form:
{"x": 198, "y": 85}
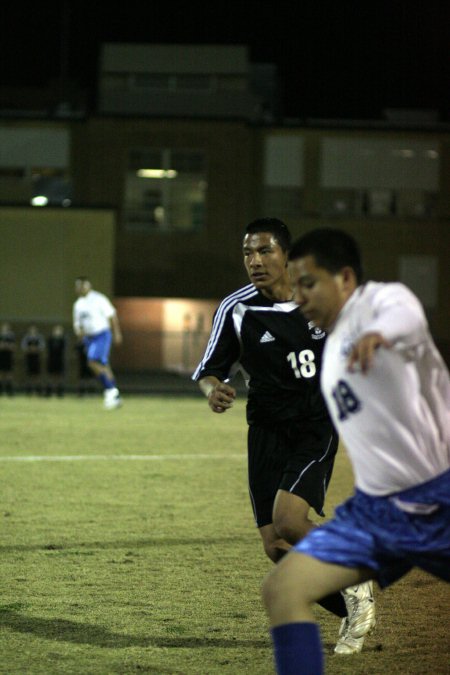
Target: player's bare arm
{"x": 364, "y": 349}
{"x": 220, "y": 395}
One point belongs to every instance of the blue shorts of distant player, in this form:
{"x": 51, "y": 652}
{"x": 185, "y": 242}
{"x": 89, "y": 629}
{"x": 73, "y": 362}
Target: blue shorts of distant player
{"x": 374, "y": 532}
{"x": 98, "y": 346}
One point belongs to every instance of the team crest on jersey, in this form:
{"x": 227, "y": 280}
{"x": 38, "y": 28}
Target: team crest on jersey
{"x": 317, "y": 333}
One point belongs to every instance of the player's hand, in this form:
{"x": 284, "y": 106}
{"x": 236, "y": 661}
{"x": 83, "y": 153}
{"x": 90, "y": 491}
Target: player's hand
{"x": 363, "y": 351}
{"x": 221, "y": 397}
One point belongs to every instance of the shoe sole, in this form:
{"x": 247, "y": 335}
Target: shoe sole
{"x": 113, "y": 407}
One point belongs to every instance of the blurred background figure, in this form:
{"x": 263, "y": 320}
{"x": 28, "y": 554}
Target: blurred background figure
{"x": 33, "y": 346}
{"x": 56, "y": 362}
{"x": 7, "y": 349}
{"x": 95, "y": 321}
{"x": 86, "y": 382}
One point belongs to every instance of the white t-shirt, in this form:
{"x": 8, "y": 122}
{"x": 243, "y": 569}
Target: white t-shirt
{"x": 92, "y": 313}
{"x": 395, "y": 419}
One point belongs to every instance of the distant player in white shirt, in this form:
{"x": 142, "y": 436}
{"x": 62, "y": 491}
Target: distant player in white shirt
{"x": 388, "y": 391}
{"x": 95, "y": 321}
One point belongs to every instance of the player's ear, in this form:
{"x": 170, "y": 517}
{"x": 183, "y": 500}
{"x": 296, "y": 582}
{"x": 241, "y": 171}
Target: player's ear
{"x": 348, "y": 278}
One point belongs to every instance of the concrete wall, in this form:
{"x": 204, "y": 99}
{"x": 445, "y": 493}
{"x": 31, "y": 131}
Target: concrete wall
{"x": 167, "y": 333}
{"x": 41, "y": 253}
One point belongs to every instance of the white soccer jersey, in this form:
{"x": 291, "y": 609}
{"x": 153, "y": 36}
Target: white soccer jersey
{"x": 92, "y": 313}
{"x": 395, "y": 419}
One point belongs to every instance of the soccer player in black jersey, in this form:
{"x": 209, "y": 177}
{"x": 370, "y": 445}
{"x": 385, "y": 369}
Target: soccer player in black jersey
{"x": 291, "y": 440}
{"x": 7, "y": 349}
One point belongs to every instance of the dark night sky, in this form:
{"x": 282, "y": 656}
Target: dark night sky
{"x": 336, "y": 58}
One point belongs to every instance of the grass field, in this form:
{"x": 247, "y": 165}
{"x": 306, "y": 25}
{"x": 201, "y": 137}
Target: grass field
{"x": 128, "y": 546}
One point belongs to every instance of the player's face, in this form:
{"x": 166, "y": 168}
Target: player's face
{"x": 319, "y": 294}
{"x": 264, "y": 260}
{"x": 82, "y": 287}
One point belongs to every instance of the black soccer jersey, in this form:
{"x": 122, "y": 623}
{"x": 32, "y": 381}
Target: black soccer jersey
{"x": 7, "y": 344}
{"x": 7, "y": 340}
{"x": 278, "y": 351}
{"x": 34, "y": 343}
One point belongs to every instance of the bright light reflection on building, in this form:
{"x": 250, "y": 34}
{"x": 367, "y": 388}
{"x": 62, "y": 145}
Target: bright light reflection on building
{"x": 156, "y": 173}
{"x": 40, "y": 200}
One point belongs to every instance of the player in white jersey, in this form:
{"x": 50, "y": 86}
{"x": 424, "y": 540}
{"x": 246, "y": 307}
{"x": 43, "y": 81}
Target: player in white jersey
{"x": 388, "y": 391}
{"x": 95, "y": 321}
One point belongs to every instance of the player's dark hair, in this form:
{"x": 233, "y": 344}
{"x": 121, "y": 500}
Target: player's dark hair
{"x": 83, "y": 279}
{"x": 274, "y": 226}
{"x": 332, "y": 249}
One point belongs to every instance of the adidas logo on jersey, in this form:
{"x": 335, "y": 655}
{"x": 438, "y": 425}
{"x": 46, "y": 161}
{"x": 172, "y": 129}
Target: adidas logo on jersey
{"x": 267, "y": 337}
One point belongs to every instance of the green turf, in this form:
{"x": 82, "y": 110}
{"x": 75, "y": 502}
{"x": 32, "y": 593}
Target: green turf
{"x": 153, "y": 565}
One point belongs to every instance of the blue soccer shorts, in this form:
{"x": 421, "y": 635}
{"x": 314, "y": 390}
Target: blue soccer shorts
{"x": 373, "y": 532}
{"x": 98, "y": 346}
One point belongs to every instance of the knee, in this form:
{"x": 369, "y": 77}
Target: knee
{"x": 95, "y": 366}
{"x": 282, "y": 594}
{"x": 292, "y": 530}
{"x": 270, "y": 590}
{"x": 276, "y": 549}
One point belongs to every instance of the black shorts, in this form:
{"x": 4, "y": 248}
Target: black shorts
{"x": 6, "y": 361}
{"x": 33, "y": 363}
{"x": 294, "y": 456}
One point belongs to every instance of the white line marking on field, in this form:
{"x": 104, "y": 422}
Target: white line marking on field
{"x": 109, "y": 458}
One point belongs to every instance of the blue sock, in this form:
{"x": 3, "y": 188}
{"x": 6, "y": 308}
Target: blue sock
{"x": 297, "y": 649}
{"x": 106, "y": 382}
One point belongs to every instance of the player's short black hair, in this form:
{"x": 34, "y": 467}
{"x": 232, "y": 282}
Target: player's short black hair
{"x": 82, "y": 279}
{"x": 332, "y": 249}
{"x": 273, "y": 225}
